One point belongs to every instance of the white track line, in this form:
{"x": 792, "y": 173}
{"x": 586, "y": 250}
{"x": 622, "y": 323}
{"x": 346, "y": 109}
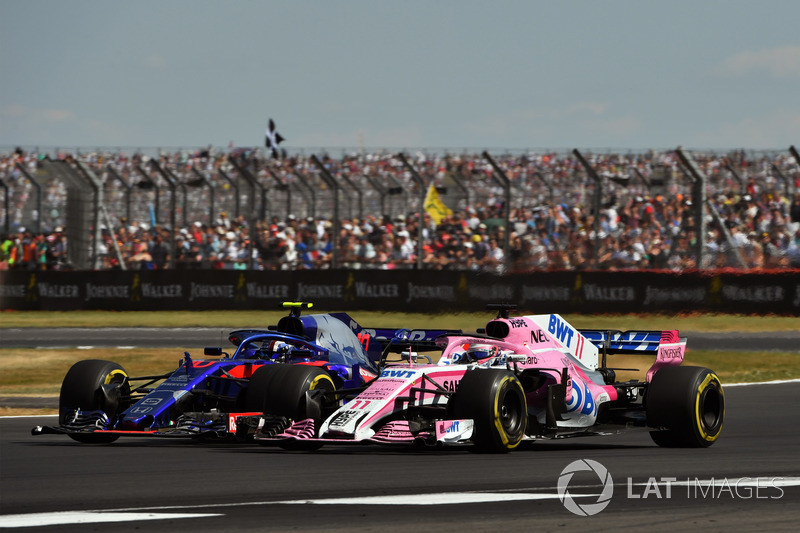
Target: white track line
{"x": 776, "y": 382}
{"x": 88, "y": 517}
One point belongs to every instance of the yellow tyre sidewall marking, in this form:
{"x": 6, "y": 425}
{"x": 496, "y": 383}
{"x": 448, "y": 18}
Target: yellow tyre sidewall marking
{"x": 498, "y": 424}
{"x": 319, "y": 379}
{"x": 110, "y": 376}
{"x": 699, "y": 423}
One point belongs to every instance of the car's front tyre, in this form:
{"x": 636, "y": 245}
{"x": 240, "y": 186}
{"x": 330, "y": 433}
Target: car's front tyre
{"x": 495, "y": 401}
{"x": 93, "y": 385}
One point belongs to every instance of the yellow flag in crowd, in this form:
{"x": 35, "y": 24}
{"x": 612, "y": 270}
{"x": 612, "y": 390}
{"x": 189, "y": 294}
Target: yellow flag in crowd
{"x": 435, "y": 207}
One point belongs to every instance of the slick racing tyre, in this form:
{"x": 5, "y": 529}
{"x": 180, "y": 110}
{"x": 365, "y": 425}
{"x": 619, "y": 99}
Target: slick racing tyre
{"x": 495, "y": 400}
{"x": 281, "y": 390}
{"x": 688, "y": 404}
{"x": 94, "y": 385}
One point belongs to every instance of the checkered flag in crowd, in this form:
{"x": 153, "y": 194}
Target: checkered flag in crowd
{"x": 273, "y": 138}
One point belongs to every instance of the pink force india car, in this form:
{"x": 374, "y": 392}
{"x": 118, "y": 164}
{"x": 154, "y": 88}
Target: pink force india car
{"x": 518, "y": 379}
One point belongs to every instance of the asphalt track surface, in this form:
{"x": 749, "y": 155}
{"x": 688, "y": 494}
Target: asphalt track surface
{"x": 199, "y": 337}
{"x": 139, "y": 484}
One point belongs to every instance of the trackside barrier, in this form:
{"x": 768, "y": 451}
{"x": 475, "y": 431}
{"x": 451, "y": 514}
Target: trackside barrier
{"x": 541, "y": 292}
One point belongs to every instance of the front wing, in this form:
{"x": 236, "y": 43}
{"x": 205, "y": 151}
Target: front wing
{"x": 269, "y": 430}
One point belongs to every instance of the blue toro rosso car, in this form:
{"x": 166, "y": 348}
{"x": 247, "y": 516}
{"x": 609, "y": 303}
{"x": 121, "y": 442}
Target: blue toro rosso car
{"x": 303, "y": 361}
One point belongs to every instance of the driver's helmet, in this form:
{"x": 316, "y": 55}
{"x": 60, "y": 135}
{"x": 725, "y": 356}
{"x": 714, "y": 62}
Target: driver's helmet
{"x": 480, "y": 352}
{"x": 276, "y": 347}
{"x": 458, "y": 354}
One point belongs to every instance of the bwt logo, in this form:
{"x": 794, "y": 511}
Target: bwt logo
{"x": 404, "y": 374}
{"x": 561, "y": 330}
{"x": 586, "y": 509}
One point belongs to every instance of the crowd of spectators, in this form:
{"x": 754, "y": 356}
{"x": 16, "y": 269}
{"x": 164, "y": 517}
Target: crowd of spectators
{"x": 646, "y": 220}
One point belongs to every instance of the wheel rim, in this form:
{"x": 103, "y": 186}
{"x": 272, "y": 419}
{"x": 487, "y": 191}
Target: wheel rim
{"x": 510, "y": 412}
{"x": 711, "y": 407}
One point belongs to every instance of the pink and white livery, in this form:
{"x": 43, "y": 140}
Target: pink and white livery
{"x": 520, "y": 378}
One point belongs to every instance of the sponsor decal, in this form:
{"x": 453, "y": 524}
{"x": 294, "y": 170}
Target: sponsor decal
{"x": 151, "y": 290}
{"x": 381, "y": 389}
{"x": 12, "y": 291}
{"x": 581, "y": 399}
{"x": 343, "y": 418}
{"x": 401, "y": 374}
{"x": 517, "y": 322}
{"x": 755, "y": 294}
{"x": 601, "y": 293}
{"x": 51, "y": 290}
{"x": 431, "y": 292}
{"x": 657, "y": 295}
{"x": 669, "y": 353}
{"x": 545, "y": 293}
{"x": 106, "y": 291}
{"x": 562, "y": 331}
{"x": 366, "y": 375}
{"x": 503, "y": 359}
{"x": 450, "y": 385}
{"x": 260, "y": 291}
{"x": 377, "y": 290}
{"x": 311, "y": 292}
{"x": 493, "y": 293}
{"x": 538, "y": 337}
{"x": 202, "y": 290}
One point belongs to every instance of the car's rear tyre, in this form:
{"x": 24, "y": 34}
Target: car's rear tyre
{"x": 686, "y": 406}
{"x": 495, "y": 400}
{"x": 281, "y": 390}
{"x": 83, "y": 388}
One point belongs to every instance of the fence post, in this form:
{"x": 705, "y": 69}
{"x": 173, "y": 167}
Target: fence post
{"x": 596, "y": 203}
{"x": 642, "y": 178}
{"x": 235, "y": 186}
{"x": 281, "y": 186}
{"x": 738, "y": 178}
{"x": 203, "y": 180}
{"x": 172, "y": 208}
{"x": 313, "y": 211}
{"x": 501, "y": 179}
{"x": 100, "y": 207}
{"x": 77, "y": 219}
{"x": 38, "y": 187}
{"x": 252, "y": 216}
{"x": 358, "y": 191}
{"x": 546, "y": 184}
{"x": 128, "y": 189}
{"x": 6, "y": 206}
{"x": 699, "y": 198}
{"x": 421, "y": 211}
{"x": 326, "y": 176}
{"x": 380, "y": 189}
{"x": 151, "y": 183}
